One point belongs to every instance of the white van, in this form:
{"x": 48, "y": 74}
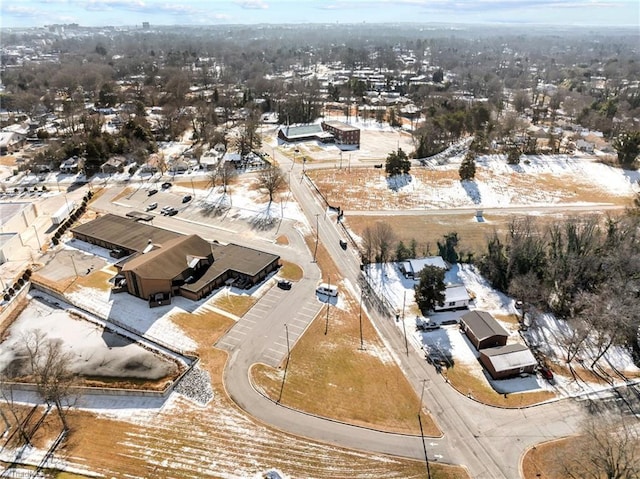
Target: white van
{"x": 328, "y": 289}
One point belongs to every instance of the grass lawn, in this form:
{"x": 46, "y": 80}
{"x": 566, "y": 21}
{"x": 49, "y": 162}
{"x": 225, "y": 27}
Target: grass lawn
{"x": 363, "y": 387}
{"x": 291, "y": 271}
{"x": 187, "y": 441}
{"x": 234, "y": 303}
{"x": 467, "y": 383}
{"x": 541, "y": 461}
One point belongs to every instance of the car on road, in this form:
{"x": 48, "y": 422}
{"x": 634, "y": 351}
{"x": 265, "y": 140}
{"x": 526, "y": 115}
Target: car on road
{"x": 343, "y": 244}
{"x": 186, "y": 198}
{"x": 172, "y": 212}
{"x": 152, "y": 192}
{"x": 152, "y": 206}
{"x": 166, "y": 185}
{"x": 284, "y": 284}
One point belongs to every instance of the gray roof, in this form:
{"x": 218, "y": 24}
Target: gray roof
{"x": 125, "y": 232}
{"x": 483, "y": 325}
{"x": 417, "y": 265}
{"x": 511, "y": 356}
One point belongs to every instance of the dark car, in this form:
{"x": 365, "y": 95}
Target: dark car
{"x": 343, "y": 244}
{"x": 284, "y": 284}
{"x": 172, "y": 212}
{"x": 152, "y": 192}
{"x": 166, "y": 185}
{"x": 546, "y": 373}
{"x": 186, "y": 198}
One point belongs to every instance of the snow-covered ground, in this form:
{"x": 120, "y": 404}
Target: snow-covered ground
{"x": 448, "y": 342}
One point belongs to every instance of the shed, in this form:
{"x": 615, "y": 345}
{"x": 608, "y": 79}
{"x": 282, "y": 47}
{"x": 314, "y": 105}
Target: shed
{"x": 483, "y": 330}
{"x": 506, "y": 361}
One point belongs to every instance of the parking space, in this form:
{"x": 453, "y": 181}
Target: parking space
{"x": 260, "y": 321}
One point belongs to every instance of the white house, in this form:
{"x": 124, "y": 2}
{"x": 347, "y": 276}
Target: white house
{"x": 456, "y": 296}
{"x": 584, "y": 145}
{"x": 412, "y": 267}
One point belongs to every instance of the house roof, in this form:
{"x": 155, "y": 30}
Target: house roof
{"x": 125, "y": 232}
{"x": 417, "y": 265}
{"x": 170, "y": 259}
{"x": 482, "y": 325}
{"x": 456, "y": 292}
{"x": 338, "y": 125}
{"x": 511, "y": 356}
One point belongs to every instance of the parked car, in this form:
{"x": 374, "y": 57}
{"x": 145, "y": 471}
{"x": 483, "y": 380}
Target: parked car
{"x": 327, "y": 289}
{"x": 152, "y": 206}
{"x": 166, "y": 185}
{"x": 546, "y": 373}
{"x": 186, "y": 198}
{"x": 152, "y": 192}
{"x": 284, "y": 284}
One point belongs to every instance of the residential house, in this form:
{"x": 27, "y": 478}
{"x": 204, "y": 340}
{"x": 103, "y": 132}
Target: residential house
{"x": 115, "y": 164}
{"x": 72, "y": 165}
{"x": 412, "y": 267}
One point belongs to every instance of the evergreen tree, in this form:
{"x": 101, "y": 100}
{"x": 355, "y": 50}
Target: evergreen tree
{"x": 468, "y": 167}
{"x": 447, "y": 249}
{"x": 397, "y": 163}
{"x": 430, "y": 290}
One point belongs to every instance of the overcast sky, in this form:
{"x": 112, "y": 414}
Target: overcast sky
{"x": 32, "y": 13}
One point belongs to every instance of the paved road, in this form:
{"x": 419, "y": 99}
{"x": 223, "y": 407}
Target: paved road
{"x": 489, "y": 441}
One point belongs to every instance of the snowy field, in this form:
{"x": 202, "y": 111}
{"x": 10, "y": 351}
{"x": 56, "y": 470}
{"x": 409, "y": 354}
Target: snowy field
{"x": 448, "y": 341}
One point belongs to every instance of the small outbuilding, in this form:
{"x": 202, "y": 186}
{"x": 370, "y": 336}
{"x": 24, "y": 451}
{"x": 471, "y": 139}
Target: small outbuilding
{"x": 507, "y": 361}
{"x": 483, "y": 330}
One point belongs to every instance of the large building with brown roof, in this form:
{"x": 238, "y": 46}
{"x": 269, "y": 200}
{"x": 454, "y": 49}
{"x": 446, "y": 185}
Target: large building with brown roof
{"x": 162, "y": 264}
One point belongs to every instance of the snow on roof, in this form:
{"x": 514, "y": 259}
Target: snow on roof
{"x": 456, "y": 292}
{"x": 418, "y": 265}
{"x": 511, "y": 356}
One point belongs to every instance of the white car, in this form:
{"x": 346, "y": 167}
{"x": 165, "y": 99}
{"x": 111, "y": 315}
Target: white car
{"x": 152, "y": 206}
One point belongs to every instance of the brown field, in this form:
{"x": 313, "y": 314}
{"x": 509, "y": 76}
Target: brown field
{"x": 7, "y": 160}
{"x": 359, "y": 189}
{"x": 174, "y": 445}
{"x": 354, "y": 384}
{"x": 467, "y": 383}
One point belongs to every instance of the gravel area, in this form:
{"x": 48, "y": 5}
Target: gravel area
{"x": 196, "y": 386}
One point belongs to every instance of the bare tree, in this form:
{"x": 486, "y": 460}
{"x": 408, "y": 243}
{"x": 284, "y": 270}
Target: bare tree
{"x": 368, "y": 244}
{"x": 385, "y": 238}
{"x": 271, "y": 179}
{"x": 608, "y": 448}
{"x": 50, "y": 369}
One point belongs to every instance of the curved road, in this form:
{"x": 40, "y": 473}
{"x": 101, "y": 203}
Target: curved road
{"x": 488, "y": 441}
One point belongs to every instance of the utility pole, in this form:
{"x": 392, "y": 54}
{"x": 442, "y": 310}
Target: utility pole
{"x": 315, "y": 251}
{"x": 424, "y": 447}
{"x": 326, "y": 327}
{"x": 404, "y": 328}
{"x": 286, "y": 364}
{"x": 360, "y": 316}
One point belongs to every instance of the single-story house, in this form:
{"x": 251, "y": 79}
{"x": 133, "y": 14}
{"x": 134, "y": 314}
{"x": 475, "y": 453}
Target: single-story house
{"x": 412, "y": 267}
{"x": 506, "y": 361}
{"x": 71, "y": 165}
{"x": 114, "y": 165}
{"x": 584, "y": 145}
{"x": 10, "y": 141}
{"x": 483, "y": 330}
{"x": 456, "y": 296}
